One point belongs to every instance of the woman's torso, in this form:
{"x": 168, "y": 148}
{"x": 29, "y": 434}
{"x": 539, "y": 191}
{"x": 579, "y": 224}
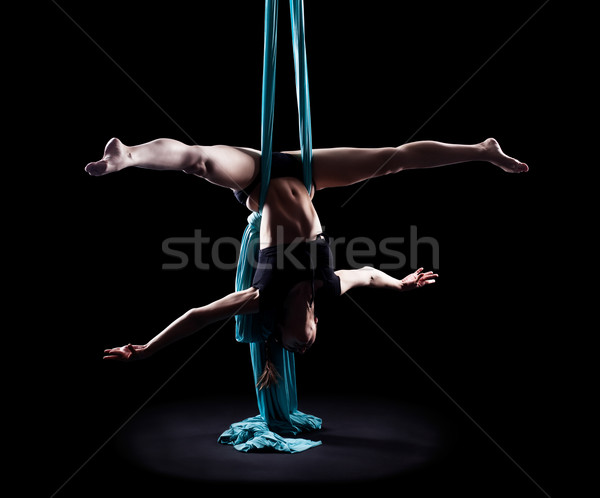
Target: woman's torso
{"x": 288, "y": 213}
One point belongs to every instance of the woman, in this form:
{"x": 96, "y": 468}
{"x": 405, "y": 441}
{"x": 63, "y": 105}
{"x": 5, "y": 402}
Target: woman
{"x": 287, "y": 293}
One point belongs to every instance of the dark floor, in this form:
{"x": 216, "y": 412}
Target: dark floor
{"x": 367, "y": 445}
{"x": 360, "y": 441}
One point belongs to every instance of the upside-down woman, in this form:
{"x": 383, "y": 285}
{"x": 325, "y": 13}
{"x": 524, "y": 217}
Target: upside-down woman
{"x": 294, "y": 276}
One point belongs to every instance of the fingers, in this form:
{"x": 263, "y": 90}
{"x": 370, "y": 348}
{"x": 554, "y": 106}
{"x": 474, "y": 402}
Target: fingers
{"x": 112, "y": 357}
{"x": 426, "y": 278}
{"x": 120, "y": 354}
{"x": 427, "y": 274}
{"x": 113, "y": 354}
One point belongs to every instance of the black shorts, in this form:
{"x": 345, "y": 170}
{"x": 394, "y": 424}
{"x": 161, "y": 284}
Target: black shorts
{"x": 281, "y": 267}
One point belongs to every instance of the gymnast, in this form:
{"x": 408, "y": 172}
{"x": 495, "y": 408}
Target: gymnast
{"x": 288, "y": 292}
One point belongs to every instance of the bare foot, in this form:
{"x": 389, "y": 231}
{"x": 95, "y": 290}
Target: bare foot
{"x": 494, "y": 154}
{"x": 116, "y": 157}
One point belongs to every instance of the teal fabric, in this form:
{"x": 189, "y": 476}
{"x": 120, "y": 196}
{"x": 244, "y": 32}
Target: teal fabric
{"x": 279, "y": 419}
{"x": 268, "y": 96}
{"x": 302, "y": 94}
{"x": 253, "y": 434}
{"x": 247, "y": 327}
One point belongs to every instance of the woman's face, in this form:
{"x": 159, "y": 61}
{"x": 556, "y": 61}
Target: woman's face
{"x": 299, "y": 327}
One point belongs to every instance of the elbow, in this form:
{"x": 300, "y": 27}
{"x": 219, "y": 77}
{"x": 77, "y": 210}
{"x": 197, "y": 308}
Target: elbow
{"x": 197, "y": 317}
{"x": 370, "y": 276}
{"x": 372, "y": 280}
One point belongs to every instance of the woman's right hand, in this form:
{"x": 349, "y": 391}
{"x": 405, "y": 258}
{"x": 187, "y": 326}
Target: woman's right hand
{"x": 126, "y": 353}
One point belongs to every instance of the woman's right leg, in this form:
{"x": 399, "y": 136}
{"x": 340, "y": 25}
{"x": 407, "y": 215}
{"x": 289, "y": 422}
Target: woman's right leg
{"x": 231, "y": 167}
{"x": 343, "y": 166}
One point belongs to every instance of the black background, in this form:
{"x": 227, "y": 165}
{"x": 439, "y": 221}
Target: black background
{"x": 498, "y": 331}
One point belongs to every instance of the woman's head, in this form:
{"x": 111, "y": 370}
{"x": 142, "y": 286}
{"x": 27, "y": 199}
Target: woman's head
{"x": 298, "y": 324}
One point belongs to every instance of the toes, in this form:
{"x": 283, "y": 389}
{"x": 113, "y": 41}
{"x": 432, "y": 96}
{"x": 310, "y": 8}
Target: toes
{"x": 520, "y": 168}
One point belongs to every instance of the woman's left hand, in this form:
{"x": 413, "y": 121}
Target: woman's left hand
{"x": 418, "y": 279}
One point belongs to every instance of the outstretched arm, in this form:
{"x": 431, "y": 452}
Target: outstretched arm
{"x": 236, "y": 303}
{"x": 372, "y": 277}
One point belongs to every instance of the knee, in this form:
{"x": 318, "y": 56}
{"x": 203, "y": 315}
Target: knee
{"x": 197, "y": 160}
{"x": 391, "y": 160}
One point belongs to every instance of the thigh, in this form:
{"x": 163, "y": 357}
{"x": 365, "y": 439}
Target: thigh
{"x": 233, "y": 167}
{"x": 342, "y": 166}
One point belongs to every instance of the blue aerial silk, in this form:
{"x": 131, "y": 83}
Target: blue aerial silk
{"x": 302, "y": 95}
{"x": 279, "y": 419}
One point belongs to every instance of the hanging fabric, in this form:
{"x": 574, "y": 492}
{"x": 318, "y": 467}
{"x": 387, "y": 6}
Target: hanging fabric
{"x": 279, "y": 417}
{"x": 302, "y": 94}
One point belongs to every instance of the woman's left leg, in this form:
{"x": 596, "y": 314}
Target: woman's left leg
{"x": 231, "y": 167}
{"x": 338, "y": 167}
